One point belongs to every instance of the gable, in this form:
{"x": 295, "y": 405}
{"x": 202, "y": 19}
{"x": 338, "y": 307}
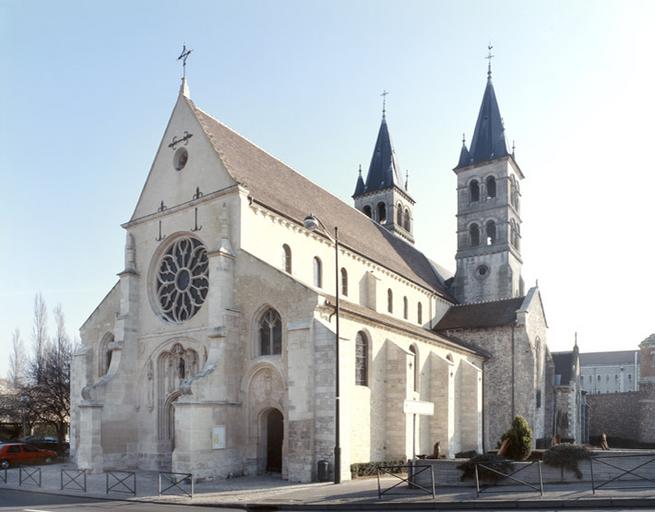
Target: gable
{"x": 203, "y": 169}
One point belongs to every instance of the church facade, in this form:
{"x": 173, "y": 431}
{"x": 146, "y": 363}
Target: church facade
{"x": 214, "y": 353}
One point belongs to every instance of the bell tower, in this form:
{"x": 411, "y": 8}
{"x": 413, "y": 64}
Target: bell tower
{"x": 488, "y": 211}
{"x": 383, "y": 196}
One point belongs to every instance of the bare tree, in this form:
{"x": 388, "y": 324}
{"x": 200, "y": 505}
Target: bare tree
{"x": 17, "y": 361}
{"x": 39, "y": 331}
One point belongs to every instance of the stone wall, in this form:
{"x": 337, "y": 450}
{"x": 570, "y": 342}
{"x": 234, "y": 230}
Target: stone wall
{"x": 616, "y": 414}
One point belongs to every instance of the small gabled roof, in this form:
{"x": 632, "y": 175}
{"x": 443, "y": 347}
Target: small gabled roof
{"x": 495, "y": 313}
{"x": 563, "y": 366}
{"x": 383, "y": 172}
{"x": 276, "y": 186}
{"x": 488, "y": 141}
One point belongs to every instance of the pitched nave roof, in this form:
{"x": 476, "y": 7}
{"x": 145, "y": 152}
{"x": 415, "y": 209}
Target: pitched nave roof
{"x": 280, "y": 188}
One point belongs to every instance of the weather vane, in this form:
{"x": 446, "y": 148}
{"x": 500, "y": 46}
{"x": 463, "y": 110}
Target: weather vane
{"x": 384, "y": 101}
{"x": 183, "y": 57}
{"x": 489, "y": 57}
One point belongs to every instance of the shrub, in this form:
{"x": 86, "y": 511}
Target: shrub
{"x": 567, "y": 456}
{"x": 491, "y": 460}
{"x": 466, "y": 455}
{"x": 519, "y": 438}
{"x": 361, "y": 469}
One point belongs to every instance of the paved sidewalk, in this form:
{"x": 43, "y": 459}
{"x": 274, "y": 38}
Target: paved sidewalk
{"x": 268, "y": 493}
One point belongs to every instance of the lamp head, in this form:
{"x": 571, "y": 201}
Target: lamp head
{"x": 310, "y": 222}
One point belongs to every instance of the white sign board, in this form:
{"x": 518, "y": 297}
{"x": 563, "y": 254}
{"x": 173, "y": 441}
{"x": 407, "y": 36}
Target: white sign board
{"x": 218, "y": 437}
{"x": 418, "y": 407}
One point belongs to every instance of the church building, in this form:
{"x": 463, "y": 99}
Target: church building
{"x": 216, "y": 351}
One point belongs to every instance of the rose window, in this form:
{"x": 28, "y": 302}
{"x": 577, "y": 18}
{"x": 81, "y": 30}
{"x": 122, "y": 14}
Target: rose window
{"x": 182, "y": 282}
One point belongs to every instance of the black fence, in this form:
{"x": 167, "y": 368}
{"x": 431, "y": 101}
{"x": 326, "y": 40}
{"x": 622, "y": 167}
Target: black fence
{"x": 504, "y": 477}
{"x": 180, "y": 484}
{"x": 73, "y": 479}
{"x": 614, "y": 460}
{"x": 123, "y": 482}
{"x": 3, "y": 475}
{"x": 411, "y": 471}
{"x": 29, "y": 476}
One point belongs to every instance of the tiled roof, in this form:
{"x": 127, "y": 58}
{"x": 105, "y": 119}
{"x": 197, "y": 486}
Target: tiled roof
{"x": 482, "y": 314}
{"x": 406, "y": 326}
{"x": 617, "y": 357}
{"x": 281, "y": 189}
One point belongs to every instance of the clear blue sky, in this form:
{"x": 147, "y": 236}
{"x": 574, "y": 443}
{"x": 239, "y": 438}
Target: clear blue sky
{"x": 88, "y": 87}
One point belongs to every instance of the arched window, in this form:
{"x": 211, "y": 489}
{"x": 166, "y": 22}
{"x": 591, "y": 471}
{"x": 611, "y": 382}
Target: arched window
{"x": 389, "y": 301}
{"x": 491, "y": 187}
{"x": 419, "y": 313}
{"x": 344, "y": 282}
{"x": 270, "y": 333}
{"x": 491, "y": 232}
{"x": 414, "y": 352}
{"x": 399, "y": 214}
{"x": 407, "y": 223}
{"x": 318, "y": 272}
{"x": 361, "y": 359}
{"x": 286, "y": 258}
{"x": 474, "y": 234}
{"x": 512, "y": 232}
{"x": 104, "y": 354}
{"x": 405, "y": 308}
{"x": 367, "y": 211}
{"x": 474, "y": 191}
{"x": 382, "y": 213}
{"x": 518, "y": 236}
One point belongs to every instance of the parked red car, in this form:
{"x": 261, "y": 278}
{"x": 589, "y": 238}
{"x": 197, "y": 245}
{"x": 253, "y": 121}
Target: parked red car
{"x": 14, "y": 454}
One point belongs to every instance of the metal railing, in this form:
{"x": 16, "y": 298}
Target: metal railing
{"x": 121, "y": 481}
{"x": 3, "y": 475}
{"x": 29, "y": 476}
{"x": 72, "y": 480}
{"x": 180, "y": 482}
{"x": 412, "y": 472}
{"x": 622, "y": 472}
{"x": 479, "y": 489}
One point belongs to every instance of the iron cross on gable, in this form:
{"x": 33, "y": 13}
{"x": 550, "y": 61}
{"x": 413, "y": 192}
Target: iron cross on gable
{"x": 183, "y": 57}
{"x": 177, "y": 141}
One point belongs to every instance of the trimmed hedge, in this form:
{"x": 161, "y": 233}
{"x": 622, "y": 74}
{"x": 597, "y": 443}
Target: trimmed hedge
{"x": 488, "y": 459}
{"x": 361, "y": 469}
{"x": 567, "y": 456}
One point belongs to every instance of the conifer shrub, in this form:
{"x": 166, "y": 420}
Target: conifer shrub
{"x": 567, "y": 456}
{"x": 519, "y": 438}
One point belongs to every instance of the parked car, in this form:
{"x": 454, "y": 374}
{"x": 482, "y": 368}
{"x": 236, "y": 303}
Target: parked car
{"x": 14, "y": 454}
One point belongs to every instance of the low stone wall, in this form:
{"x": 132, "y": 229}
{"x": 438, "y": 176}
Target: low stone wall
{"x": 447, "y": 474}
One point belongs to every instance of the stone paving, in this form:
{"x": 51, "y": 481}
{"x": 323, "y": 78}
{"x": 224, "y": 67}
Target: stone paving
{"x": 271, "y": 492}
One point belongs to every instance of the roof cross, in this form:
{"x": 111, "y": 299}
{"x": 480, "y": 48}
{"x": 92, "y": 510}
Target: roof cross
{"x": 489, "y": 57}
{"x": 384, "y": 102}
{"x": 183, "y": 57}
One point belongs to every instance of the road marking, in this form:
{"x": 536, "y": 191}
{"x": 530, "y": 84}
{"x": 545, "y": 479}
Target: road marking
{"x": 34, "y": 510}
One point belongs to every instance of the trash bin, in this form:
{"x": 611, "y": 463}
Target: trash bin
{"x": 323, "y": 471}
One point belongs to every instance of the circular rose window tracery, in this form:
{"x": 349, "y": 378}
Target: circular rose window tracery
{"x": 182, "y": 283}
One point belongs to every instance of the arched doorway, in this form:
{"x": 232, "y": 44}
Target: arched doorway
{"x": 274, "y": 426}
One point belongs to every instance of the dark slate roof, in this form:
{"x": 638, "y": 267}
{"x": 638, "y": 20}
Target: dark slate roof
{"x": 563, "y": 366}
{"x": 482, "y": 314}
{"x": 360, "y": 187}
{"x": 464, "y": 157}
{"x": 281, "y": 189}
{"x": 617, "y": 357}
{"x": 383, "y": 172}
{"x": 489, "y": 136}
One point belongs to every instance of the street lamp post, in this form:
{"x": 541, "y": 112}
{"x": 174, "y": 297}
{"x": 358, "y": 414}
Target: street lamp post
{"x": 312, "y": 223}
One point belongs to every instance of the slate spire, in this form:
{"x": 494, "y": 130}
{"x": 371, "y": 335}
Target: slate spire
{"x": 360, "y": 188}
{"x": 383, "y": 172}
{"x": 464, "y": 155}
{"x": 489, "y": 136}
